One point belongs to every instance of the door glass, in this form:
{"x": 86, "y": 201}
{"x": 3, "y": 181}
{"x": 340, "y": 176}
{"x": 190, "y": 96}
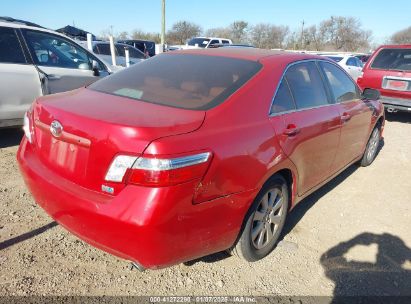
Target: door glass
{"x": 341, "y": 85}
{"x": 283, "y": 100}
{"x": 50, "y": 50}
{"x": 10, "y": 49}
{"x": 351, "y": 62}
{"x": 306, "y": 85}
{"x": 214, "y": 42}
{"x": 134, "y": 53}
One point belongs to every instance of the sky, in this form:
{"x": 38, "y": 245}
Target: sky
{"x": 127, "y": 15}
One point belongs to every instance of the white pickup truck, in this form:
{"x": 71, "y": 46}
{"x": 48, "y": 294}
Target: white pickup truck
{"x": 205, "y": 42}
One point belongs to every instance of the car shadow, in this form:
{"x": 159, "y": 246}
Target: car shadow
{"x": 302, "y": 207}
{"x": 404, "y": 117}
{"x": 369, "y": 265}
{"x": 25, "y": 236}
{"x": 293, "y": 218}
{"x": 297, "y": 213}
{"x": 10, "y": 137}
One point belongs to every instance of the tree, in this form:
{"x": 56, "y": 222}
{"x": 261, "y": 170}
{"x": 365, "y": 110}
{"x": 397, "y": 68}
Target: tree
{"x": 344, "y": 33}
{"x": 222, "y": 32}
{"x": 183, "y": 30}
{"x": 122, "y": 35}
{"x": 402, "y": 37}
{"x": 139, "y": 34}
{"x": 268, "y": 36}
{"x": 314, "y": 39}
{"x": 238, "y": 31}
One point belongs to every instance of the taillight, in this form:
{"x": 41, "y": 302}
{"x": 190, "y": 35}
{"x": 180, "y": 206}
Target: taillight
{"x": 27, "y": 127}
{"x": 158, "y": 172}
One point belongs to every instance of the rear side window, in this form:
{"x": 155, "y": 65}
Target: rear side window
{"x": 283, "y": 100}
{"x": 10, "y": 48}
{"x": 134, "y": 53}
{"x": 306, "y": 85}
{"x": 104, "y": 49}
{"x": 393, "y": 59}
{"x": 351, "y": 61}
{"x": 184, "y": 81}
{"x": 335, "y": 58}
{"x": 226, "y": 42}
{"x": 342, "y": 87}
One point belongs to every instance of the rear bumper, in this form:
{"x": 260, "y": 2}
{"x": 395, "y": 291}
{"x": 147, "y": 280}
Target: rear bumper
{"x": 399, "y": 104}
{"x": 154, "y": 227}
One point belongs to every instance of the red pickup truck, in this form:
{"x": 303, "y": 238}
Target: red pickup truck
{"x": 389, "y": 71}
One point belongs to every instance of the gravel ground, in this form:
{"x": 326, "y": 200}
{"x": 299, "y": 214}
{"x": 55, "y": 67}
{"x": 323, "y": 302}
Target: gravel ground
{"x": 351, "y": 237}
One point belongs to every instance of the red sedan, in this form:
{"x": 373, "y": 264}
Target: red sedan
{"x": 194, "y": 152}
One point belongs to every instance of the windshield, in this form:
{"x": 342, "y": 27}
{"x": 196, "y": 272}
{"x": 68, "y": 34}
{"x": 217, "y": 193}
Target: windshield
{"x": 180, "y": 80}
{"x": 202, "y": 42}
{"x": 393, "y": 59}
{"x": 335, "y": 58}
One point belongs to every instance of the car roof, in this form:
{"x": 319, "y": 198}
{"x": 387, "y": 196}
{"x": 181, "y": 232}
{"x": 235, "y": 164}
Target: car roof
{"x": 252, "y": 54}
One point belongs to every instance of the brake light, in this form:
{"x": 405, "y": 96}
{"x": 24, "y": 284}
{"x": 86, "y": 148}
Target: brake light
{"x": 27, "y": 127}
{"x": 158, "y": 172}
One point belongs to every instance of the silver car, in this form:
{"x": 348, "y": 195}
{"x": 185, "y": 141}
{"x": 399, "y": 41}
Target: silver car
{"x": 35, "y": 61}
{"x": 102, "y": 50}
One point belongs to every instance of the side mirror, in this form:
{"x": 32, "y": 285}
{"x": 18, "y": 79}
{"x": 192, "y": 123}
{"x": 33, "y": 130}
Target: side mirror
{"x": 95, "y": 67}
{"x": 371, "y": 94}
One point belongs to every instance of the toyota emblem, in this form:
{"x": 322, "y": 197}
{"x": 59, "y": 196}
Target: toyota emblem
{"x": 56, "y": 128}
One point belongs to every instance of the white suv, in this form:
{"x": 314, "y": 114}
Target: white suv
{"x": 206, "y": 42}
{"x": 35, "y": 61}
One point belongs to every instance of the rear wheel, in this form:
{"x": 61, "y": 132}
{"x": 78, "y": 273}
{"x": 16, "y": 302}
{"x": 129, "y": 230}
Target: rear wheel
{"x": 372, "y": 147}
{"x": 265, "y": 221}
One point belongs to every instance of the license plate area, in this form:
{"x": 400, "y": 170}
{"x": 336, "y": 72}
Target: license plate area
{"x": 397, "y": 84}
{"x": 67, "y": 157}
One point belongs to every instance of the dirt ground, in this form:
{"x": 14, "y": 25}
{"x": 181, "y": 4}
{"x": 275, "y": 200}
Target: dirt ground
{"x": 352, "y": 237}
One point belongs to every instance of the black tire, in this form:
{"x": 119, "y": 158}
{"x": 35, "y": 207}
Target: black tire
{"x": 371, "y": 150}
{"x": 251, "y": 248}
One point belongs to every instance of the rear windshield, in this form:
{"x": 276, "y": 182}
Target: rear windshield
{"x": 335, "y": 58}
{"x": 393, "y": 59}
{"x": 185, "y": 81}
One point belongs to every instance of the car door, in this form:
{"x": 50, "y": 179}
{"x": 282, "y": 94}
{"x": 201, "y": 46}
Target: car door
{"x": 307, "y": 125}
{"x": 67, "y": 65}
{"x": 355, "y": 114}
{"x": 19, "y": 80}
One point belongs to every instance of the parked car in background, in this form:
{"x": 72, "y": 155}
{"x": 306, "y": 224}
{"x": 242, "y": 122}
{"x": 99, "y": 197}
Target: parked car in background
{"x": 206, "y": 42}
{"x": 389, "y": 71}
{"x": 173, "y": 159}
{"x": 102, "y": 50}
{"x": 146, "y": 46}
{"x": 35, "y": 61}
{"x": 349, "y": 63}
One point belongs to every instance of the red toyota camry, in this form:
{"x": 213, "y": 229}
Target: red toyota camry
{"x": 194, "y": 152}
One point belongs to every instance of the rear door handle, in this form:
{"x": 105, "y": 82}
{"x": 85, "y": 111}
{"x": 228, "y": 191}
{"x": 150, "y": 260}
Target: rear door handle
{"x": 291, "y": 130}
{"x": 345, "y": 117}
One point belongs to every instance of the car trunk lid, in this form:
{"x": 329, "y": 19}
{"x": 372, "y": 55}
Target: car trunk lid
{"x": 92, "y": 127}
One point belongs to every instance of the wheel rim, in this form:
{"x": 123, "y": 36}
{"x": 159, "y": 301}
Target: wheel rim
{"x": 267, "y": 218}
{"x": 374, "y": 141}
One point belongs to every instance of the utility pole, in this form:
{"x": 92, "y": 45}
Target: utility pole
{"x": 163, "y": 23}
{"x": 302, "y": 35}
